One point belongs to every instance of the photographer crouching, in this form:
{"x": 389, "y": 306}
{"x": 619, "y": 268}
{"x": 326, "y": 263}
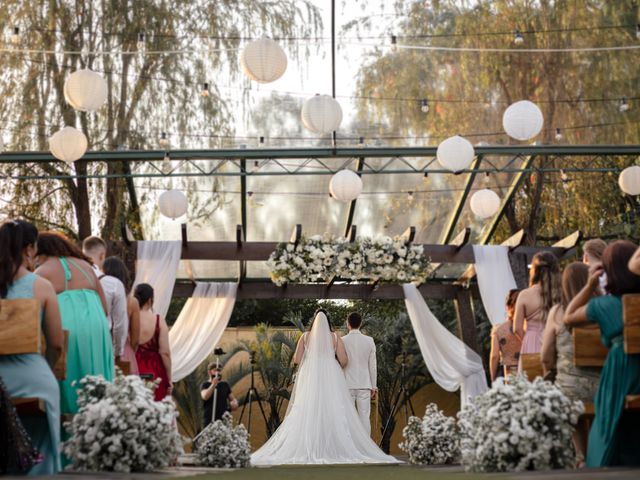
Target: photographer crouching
{"x": 219, "y": 391}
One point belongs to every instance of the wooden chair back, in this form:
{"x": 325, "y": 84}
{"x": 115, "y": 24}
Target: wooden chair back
{"x": 631, "y": 317}
{"x": 60, "y": 368}
{"x": 20, "y": 327}
{"x": 124, "y": 366}
{"x": 531, "y": 365}
{"x": 588, "y": 350}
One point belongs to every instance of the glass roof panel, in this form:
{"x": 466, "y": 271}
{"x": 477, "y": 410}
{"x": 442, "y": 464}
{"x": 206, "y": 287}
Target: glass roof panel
{"x": 390, "y": 203}
{"x": 276, "y": 203}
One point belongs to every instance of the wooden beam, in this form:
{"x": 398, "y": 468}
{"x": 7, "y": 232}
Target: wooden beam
{"x": 296, "y": 235}
{"x": 352, "y": 205}
{"x": 457, "y": 211}
{"x": 351, "y": 235}
{"x": 569, "y": 243}
{"x": 183, "y": 231}
{"x": 239, "y": 236}
{"x": 242, "y": 264}
{"x": 459, "y": 241}
{"x": 268, "y": 290}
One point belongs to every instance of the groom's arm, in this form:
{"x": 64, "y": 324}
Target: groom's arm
{"x": 373, "y": 367}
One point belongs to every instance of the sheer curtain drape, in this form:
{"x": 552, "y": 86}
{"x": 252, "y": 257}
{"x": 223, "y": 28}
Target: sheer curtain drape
{"x": 450, "y": 362}
{"x": 495, "y": 279}
{"x": 200, "y": 325}
{"x": 157, "y": 265}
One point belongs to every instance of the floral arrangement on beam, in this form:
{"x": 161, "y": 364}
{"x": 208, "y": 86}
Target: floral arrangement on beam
{"x": 322, "y": 258}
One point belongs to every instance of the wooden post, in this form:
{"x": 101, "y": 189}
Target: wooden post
{"x": 519, "y": 266}
{"x": 466, "y": 319}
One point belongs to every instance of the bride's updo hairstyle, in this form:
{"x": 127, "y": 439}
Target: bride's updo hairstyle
{"x": 315, "y": 316}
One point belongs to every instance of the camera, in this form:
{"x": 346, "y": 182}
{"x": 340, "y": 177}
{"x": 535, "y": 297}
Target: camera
{"x": 218, "y": 351}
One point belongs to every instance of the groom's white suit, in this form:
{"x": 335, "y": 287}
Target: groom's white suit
{"x": 361, "y": 373}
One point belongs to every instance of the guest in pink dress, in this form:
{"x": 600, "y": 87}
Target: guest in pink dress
{"x": 116, "y": 268}
{"x": 534, "y": 303}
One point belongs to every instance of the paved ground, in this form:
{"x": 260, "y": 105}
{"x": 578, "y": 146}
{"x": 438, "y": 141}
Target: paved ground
{"x": 401, "y": 472}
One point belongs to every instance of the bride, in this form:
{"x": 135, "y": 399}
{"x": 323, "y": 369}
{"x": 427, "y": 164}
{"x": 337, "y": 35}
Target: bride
{"x": 322, "y": 425}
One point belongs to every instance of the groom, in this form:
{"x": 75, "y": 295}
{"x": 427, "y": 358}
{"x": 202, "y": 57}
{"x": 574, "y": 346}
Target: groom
{"x": 360, "y": 372}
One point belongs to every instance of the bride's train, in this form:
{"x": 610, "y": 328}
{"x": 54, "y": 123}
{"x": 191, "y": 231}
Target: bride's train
{"x": 322, "y": 425}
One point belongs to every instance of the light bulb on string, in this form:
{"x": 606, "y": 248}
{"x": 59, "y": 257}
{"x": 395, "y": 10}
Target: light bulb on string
{"x": 205, "y": 89}
{"x": 559, "y": 135}
{"x": 424, "y": 105}
{"x": 361, "y": 142}
{"x": 167, "y": 157}
{"x": 565, "y": 179}
{"x": 141, "y": 42}
{"x": 261, "y": 140}
{"x": 624, "y": 104}
{"x": 164, "y": 140}
{"x": 487, "y": 177}
{"x": 518, "y": 39}
{"x": 394, "y": 43}
{"x": 410, "y": 194}
{"x": 15, "y": 36}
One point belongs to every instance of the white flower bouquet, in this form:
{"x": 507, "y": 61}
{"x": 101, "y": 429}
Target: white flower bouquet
{"x": 320, "y": 258}
{"x": 120, "y": 427}
{"x": 431, "y": 440}
{"x": 222, "y": 445}
{"x": 517, "y": 426}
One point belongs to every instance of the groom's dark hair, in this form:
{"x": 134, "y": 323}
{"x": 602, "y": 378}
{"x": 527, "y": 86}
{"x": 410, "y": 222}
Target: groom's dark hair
{"x": 354, "y": 319}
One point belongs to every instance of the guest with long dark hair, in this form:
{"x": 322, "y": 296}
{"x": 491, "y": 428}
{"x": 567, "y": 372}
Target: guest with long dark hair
{"x": 611, "y": 442}
{"x": 116, "y": 268}
{"x": 83, "y": 309}
{"x": 534, "y": 303}
{"x": 153, "y": 354}
{"x": 29, "y": 375}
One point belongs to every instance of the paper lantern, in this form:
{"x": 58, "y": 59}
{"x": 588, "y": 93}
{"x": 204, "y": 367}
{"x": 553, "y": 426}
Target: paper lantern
{"x": 68, "y": 144}
{"x": 485, "y": 203}
{"x": 629, "y": 180}
{"x": 321, "y": 114}
{"x": 522, "y": 120}
{"x": 345, "y": 186}
{"x": 455, "y": 153}
{"x": 263, "y": 60}
{"x": 85, "y": 90}
{"x": 173, "y": 204}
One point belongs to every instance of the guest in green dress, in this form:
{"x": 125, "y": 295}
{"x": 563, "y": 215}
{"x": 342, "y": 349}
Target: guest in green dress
{"x": 29, "y": 375}
{"x": 83, "y": 310}
{"x": 611, "y": 441}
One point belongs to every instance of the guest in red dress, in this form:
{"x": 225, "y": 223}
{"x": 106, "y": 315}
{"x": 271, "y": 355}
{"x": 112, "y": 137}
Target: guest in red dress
{"x": 153, "y": 354}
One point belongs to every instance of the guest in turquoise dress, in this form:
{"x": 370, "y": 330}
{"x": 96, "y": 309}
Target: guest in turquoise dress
{"x": 611, "y": 441}
{"x": 29, "y": 375}
{"x": 83, "y": 310}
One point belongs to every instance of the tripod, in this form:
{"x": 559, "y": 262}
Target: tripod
{"x": 248, "y": 399}
{"x": 403, "y": 397}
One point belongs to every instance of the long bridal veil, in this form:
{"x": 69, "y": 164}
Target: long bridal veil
{"x": 322, "y": 425}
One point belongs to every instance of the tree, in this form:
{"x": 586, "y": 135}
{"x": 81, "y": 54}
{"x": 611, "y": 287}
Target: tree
{"x": 468, "y": 93}
{"x": 147, "y": 94}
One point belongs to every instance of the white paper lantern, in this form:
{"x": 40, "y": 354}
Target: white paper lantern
{"x": 68, "y": 144}
{"x": 455, "y": 153}
{"x": 173, "y": 204}
{"x": 321, "y": 114}
{"x": 85, "y": 90}
{"x": 485, "y": 203}
{"x": 345, "y": 186}
{"x": 629, "y": 180}
{"x": 522, "y": 120}
{"x": 263, "y": 60}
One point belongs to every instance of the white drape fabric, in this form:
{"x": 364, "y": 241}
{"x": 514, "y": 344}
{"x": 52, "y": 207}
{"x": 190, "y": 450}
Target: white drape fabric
{"x": 200, "y": 326}
{"x": 451, "y": 363}
{"x": 157, "y": 265}
{"x": 495, "y": 279}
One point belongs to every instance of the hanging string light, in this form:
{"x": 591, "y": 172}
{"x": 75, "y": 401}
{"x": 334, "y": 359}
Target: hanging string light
{"x": 361, "y": 142}
{"x": 518, "y": 39}
{"x": 205, "y": 89}
{"x": 15, "y": 36}
{"x": 565, "y": 179}
{"x": 261, "y": 140}
{"x": 164, "y": 141}
{"x": 424, "y": 105}
{"x": 624, "y": 104}
{"x": 141, "y": 42}
{"x": 558, "y": 134}
{"x": 487, "y": 177}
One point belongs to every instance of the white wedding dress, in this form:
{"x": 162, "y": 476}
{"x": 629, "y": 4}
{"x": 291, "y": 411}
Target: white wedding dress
{"x": 322, "y": 425}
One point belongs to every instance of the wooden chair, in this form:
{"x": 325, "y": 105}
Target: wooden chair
{"x": 588, "y": 350}
{"x": 531, "y": 365}
{"x": 124, "y": 366}
{"x": 631, "y": 317}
